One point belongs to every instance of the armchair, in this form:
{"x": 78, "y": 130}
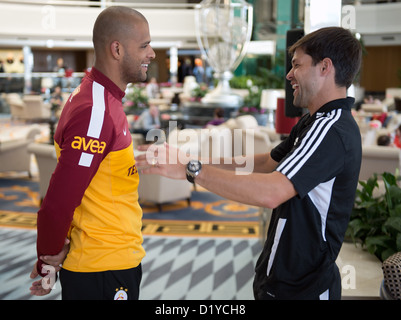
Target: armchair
{"x": 14, "y": 155}
{"x": 264, "y": 138}
{"x": 17, "y": 106}
{"x": 161, "y": 190}
{"x": 29, "y": 107}
{"x": 46, "y": 159}
{"x": 35, "y": 107}
{"x": 378, "y": 159}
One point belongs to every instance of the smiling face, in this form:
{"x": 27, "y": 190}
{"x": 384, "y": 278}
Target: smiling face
{"x": 304, "y": 78}
{"x": 137, "y": 54}
{"x": 121, "y": 41}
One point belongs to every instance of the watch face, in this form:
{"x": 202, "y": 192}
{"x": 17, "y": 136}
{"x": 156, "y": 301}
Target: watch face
{"x": 194, "y": 166}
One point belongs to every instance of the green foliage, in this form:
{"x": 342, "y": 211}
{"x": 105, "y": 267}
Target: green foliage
{"x": 242, "y": 82}
{"x": 376, "y": 220}
{"x": 272, "y": 80}
{"x": 264, "y": 79}
{"x": 253, "y": 98}
{"x": 135, "y": 99}
{"x": 199, "y": 92}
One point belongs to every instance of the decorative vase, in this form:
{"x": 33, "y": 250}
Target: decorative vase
{"x": 224, "y": 29}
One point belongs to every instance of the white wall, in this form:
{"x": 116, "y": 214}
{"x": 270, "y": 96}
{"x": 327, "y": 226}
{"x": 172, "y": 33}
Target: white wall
{"x": 23, "y": 23}
{"x": 379, "y": 24}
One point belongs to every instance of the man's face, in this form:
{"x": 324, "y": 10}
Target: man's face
{"x": 137, "y": 55}
{"x": 304, "y": 78}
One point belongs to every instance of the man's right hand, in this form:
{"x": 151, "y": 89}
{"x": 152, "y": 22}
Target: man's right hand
{"x": 55, "y": 261}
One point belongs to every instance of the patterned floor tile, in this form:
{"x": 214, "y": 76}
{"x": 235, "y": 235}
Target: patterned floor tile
{"x": 174, "y": 268}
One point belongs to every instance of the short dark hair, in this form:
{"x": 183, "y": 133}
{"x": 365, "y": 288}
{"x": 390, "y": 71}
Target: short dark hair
{"x": 383, "y": 140}
{"x": 338, "y": 44}
{"x": 219, "y": 112}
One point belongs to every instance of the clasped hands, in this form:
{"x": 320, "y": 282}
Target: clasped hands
{"x": 37, "y": 288}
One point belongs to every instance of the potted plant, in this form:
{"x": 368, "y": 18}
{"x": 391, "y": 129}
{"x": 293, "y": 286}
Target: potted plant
{"x": 376, "y": 220}
{"x": 135, "y": 100}
{"x": 255, "y": 84}
{"x": 199, "y": 92}
{"x": 252, "y": 102}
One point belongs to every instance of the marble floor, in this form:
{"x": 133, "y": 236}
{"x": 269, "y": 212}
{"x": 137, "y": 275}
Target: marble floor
{"x": 175, "y": 268}
{"x": 187, "y": 268}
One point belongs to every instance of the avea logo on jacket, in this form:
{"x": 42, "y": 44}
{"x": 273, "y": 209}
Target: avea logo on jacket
{"x": 92, "y": 145}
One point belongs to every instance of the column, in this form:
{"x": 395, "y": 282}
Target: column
{"x": 28, "y": 67}
{"x": 173, "y": 64}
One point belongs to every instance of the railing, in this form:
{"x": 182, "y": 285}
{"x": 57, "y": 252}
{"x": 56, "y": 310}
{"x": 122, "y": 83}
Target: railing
{"x": 39, "y": 81}
{"x": 41, "y": 75}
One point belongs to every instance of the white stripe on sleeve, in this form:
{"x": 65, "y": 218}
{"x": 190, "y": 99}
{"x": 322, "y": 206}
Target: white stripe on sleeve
{"x": 97, "y": 116}
{"x": 309, "y": 144}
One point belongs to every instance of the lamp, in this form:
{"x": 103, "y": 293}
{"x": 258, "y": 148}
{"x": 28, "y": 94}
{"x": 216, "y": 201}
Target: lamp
{"x": 268, "y": 101}
{"x": 224, "y": 29}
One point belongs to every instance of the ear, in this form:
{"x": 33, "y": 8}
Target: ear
{"x": 116, "y": 50}
{"x": 327, "y": 66}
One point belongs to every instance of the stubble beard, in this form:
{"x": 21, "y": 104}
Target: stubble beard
{"x": 132, "y": 73}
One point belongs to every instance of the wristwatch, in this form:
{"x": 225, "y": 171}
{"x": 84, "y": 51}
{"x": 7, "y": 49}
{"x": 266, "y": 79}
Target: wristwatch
{"x": 194, "y": 167}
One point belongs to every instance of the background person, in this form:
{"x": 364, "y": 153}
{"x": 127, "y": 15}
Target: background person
{"x": 384, "y": 140}
{"x": 152, "y": 89}
{"x": 218, "y": 117}
{"x": 148, "y": 120}
{"x": 56, "y": 99}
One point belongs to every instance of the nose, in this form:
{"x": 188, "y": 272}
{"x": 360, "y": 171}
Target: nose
{"x": 290, "y": 75}
{"x": 152, "y": 53}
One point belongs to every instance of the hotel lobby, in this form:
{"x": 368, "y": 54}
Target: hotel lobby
{"x": 199, "y": 246}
